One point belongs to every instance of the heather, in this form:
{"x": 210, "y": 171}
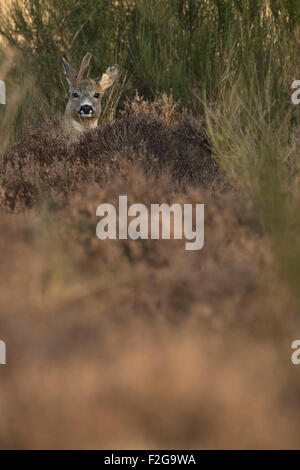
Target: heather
{"x": 142, "y": 344}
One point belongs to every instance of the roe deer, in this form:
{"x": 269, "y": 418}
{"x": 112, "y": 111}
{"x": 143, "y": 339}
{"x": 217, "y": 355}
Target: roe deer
{"x": 84, "y": 105}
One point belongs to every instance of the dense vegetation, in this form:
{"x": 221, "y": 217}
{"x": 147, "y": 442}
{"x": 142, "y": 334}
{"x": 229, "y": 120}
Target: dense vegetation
{"x": 154, "y": 346}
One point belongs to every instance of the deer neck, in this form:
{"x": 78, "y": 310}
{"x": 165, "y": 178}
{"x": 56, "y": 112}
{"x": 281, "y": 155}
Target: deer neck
{"x": 77, "y": 125}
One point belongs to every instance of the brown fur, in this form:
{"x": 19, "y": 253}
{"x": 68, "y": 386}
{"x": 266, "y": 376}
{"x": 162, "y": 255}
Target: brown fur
{"x": 85, "y": 93}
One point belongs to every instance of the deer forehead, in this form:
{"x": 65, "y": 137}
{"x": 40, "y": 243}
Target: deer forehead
{"x": 86, "y": 87}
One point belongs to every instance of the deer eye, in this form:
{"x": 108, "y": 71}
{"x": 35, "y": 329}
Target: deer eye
{"x": 96, "y": 95}
{"x": 75, "y": 95}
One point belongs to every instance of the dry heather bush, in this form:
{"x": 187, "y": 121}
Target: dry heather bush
{"x": 164, "y": 107}
{"x": 41, "y": 164}
{"x": 122, "y": 344}
{"x": 137, "y": 344}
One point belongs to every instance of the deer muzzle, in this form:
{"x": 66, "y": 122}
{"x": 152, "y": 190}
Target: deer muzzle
{"x": 86, "y": 111}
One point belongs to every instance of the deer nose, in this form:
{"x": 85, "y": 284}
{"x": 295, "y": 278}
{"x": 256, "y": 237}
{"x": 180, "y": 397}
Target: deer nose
{"x": 86, "y": 109}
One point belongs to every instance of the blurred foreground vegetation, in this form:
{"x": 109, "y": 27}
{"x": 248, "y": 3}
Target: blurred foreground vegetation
{"x": 214, "y": 81}
{"x": 232, "y": 60}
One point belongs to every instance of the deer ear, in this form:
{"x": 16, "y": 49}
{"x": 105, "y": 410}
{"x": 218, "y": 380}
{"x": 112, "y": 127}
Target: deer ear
{"x": 85, "y": 67}
{"x": 108, "y": 78}
{"x": 70, "y": 73}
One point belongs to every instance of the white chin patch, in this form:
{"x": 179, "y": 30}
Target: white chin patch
{"x": 83, "y": 115}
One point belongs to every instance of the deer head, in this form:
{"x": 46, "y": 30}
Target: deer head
{"x": 84, "y": 106}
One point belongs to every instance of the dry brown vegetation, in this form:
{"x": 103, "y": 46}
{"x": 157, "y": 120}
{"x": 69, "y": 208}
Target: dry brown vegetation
{"x": 41, "y": 163}
{"x": 138, "y": 344}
